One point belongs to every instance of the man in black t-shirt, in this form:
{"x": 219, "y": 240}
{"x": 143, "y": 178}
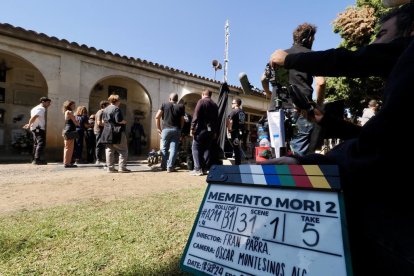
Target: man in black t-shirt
{"x": 172, "y": 115}
{"x": 303, "y": 38}
{"x": 236, "y": 127}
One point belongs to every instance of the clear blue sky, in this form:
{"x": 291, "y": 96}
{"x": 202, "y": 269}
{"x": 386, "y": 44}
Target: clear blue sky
{"x": 183, "y": 34}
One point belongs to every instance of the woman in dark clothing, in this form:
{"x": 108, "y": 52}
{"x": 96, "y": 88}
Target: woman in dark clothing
{"x": 90, "y": 140}
{"x": 82, "y": 118}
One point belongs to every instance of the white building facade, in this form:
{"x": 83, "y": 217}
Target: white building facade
{"x": 34, "y": 65}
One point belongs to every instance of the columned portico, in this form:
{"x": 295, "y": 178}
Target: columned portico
{"x": 36, "y": 65}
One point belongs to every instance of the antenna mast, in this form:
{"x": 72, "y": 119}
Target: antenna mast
{"x": 226, "y": 49}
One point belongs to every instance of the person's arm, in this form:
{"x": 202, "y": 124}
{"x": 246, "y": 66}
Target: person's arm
{"x": 265, "y": 85}
{"x": 194, "y": 122}
{"x": 320, "y": 86}
{"x": 99, "y": 120}
{"x": 182, "y": 113}
{"x": 31, "y": 121}
{"x": 69, "y": 115}
{"x": 372, "y": 60}
{"x": 229, "y": 124}
{"x": 308, "y": 159}
{"x": 278, "y": 58}
{"x": 118, "y": 117}
{"x": 158, "y": 117}
{"x": 284, "y": 160}
{"x": 182, "y": 121}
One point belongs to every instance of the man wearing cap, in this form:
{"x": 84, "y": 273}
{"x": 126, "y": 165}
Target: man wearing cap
{"x": 37, "y": 125}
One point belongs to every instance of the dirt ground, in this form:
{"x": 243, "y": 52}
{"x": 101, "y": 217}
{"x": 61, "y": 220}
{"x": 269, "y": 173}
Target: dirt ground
{"x": 28, "y": 187}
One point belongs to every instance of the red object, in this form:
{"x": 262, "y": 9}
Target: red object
{"x": 263, "y": 153}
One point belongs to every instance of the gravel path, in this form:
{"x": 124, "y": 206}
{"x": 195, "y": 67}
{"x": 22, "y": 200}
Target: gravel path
{"x": 28, "y": 187}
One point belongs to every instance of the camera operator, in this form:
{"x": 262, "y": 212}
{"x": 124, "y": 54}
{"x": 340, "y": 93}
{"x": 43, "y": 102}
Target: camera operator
{"x": 303, "y": 38}
{"x": 379, "y": 210}
{"x": 376, "y": 59}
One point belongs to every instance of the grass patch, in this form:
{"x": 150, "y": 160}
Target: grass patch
{"x": 143, "y": 236}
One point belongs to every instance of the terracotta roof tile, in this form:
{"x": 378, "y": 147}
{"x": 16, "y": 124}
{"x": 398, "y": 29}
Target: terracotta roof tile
{"x": 19, "y": 32}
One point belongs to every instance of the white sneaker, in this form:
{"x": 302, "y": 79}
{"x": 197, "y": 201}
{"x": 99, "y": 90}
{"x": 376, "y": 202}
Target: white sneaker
{"x": 196, "y": 172}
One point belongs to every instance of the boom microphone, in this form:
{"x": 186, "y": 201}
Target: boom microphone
{"x": 247, "y": 87}
{"x": 244, "y": 81}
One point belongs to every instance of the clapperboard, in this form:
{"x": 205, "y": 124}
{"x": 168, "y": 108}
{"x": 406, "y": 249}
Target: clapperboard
{"x": 270, "y": 220}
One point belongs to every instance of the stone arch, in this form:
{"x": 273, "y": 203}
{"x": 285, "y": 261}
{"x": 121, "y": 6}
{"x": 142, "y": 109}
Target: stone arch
{"x": 135, "y": 101}
{"x": 190, "y": 101}
{"x": 21, "y": 86}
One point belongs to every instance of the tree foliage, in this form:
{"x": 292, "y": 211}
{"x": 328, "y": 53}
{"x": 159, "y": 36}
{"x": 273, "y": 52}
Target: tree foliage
{"x": 357, "y": 26}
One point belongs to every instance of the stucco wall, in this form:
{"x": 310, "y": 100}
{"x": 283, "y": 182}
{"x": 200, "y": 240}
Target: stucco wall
{"x": 70, "y": 74}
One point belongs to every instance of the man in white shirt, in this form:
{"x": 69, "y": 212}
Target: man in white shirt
{"x": 37, "y": 125}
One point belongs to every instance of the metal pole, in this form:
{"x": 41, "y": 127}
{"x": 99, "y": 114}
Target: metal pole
{"x": 226, "y": 49}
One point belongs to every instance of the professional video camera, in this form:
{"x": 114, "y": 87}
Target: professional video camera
{"x": 270, "y": 74}
{"x": 284, "y": 95}
{"x": 282, "y": 99}
{"x": 280, "y": 92}
{"x": 285, "y": 99}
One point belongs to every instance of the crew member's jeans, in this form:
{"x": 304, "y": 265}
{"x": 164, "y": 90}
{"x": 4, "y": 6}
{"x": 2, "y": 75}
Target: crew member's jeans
{"x": 170, "y": 139}
{"x": 301, "y": 139}
{"x": 122, "y": 149}
{"x": 39, "y": 143}
{"x": 202, "y": 153}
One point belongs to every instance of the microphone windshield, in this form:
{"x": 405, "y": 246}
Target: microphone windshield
{"x": 244, "y": 81}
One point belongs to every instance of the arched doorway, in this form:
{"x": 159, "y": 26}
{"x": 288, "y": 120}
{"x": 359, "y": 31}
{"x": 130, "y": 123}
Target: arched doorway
{"x": 190, "y": 102}
{"x": 135, "y": 102}
{"x": 21, "y": 86}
